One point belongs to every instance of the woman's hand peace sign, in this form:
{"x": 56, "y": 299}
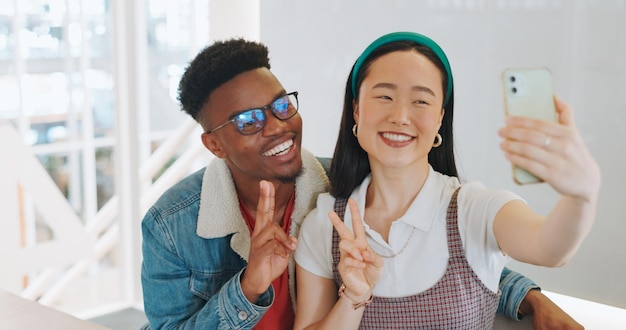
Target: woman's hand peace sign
{"x": 360, "y": 267}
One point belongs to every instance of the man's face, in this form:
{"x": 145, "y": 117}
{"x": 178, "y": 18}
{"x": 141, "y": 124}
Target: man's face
{"x": 271, "y": 154}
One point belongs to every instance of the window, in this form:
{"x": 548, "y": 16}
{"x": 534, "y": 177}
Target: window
{"x": 57, "y": 73}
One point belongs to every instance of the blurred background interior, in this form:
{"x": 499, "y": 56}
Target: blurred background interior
{"x": 92, "y": 132}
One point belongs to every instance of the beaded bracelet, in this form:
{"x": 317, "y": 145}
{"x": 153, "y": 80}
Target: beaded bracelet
{"x": 355, "y": 305}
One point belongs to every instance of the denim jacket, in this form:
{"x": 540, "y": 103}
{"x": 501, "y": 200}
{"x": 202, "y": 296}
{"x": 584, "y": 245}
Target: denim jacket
{"x": 196, "y": 245}
{"x": 514, "y": 287}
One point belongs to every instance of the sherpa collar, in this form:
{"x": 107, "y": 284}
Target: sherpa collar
{"x": 219, "y": 213}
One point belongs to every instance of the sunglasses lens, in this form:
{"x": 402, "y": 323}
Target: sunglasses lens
{"x": 250, "y": 122}
{"x": 285, "y": 107}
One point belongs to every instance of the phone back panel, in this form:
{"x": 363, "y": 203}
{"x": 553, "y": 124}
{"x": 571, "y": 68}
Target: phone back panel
{"x": 528, "y": 93}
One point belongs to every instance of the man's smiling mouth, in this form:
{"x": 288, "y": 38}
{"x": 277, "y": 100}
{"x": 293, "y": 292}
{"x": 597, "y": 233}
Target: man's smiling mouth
{"x": 280, "y": 149}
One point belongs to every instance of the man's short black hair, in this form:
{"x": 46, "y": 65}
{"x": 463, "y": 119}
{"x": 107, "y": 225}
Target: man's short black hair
{"x": 214, "y": 66}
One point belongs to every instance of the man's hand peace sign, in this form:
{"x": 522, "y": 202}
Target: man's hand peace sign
{"x": 270, "y": 247}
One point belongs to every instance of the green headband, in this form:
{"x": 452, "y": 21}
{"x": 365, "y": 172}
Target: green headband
{"x": 403, "y": 36}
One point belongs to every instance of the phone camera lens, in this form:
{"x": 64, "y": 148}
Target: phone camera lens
{"x": 512, "y": 78}
{"x": 514, "y": 90}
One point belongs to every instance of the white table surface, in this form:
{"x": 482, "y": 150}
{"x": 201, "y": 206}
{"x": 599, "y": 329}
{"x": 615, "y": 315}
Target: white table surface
{"x": 589, "y": 314}
{"x": 17, "y": 313}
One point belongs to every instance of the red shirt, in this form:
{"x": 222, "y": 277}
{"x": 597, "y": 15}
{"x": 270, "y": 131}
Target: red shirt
{"x": 280, "y": 315}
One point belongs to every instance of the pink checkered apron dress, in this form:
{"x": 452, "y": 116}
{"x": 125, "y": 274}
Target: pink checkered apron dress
{"x": 458, "y": 301}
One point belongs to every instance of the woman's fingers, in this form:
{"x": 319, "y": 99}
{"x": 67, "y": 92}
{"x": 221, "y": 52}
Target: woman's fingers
{"x": 346, "y": 244}
{"x": 554, "y": 152}
{"x": 357, "y": 224}
{"x": 340, "y": 227}
{"x": 373, "y": 258}
{"x": 347, "y": 247}
{"x": 564, "y": 110}
{"x": 360, "y": 267}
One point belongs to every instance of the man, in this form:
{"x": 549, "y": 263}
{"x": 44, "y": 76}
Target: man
{"x": 217, "y": 246}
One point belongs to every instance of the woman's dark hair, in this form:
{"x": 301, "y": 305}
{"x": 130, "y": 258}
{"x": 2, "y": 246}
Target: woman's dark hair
{"x": 350, "y": 164}
{"x": 214, "y": 66}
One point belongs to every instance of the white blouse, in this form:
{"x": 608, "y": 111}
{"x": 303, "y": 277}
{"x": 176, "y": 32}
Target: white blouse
{"x": 423, "y": 262}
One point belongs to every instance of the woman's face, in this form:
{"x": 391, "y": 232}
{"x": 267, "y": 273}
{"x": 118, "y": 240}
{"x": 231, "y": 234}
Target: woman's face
{"x": 399, "y": 109}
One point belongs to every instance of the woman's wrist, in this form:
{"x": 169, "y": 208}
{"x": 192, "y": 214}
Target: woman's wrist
{"x": 356, "y": 302}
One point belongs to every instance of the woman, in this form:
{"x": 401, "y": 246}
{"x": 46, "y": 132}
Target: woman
{"x": 418, "y": 248}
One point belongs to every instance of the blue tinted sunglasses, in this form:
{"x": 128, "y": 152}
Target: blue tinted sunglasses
{"x": 252, "y": 121}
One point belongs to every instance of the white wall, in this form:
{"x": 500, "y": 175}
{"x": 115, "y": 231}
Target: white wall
{"x": 234, "y": 18}
{"x": 313, "y": 44}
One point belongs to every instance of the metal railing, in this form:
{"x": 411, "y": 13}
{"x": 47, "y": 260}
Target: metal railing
{"x": 50, "y": 284}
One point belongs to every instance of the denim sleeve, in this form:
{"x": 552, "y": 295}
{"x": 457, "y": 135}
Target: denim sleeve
{"x": 514, "y": 287}
{"x": 169, "y": 302}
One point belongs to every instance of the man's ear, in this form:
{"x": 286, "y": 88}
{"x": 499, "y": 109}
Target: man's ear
{"x": 213, "y": 144}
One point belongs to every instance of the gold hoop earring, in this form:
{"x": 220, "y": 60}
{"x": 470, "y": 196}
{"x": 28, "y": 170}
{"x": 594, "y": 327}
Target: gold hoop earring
{"x": 438, "y": 140}
{"x": 354, "y": 130}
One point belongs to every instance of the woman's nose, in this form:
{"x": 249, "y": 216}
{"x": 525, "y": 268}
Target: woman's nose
{"x": 399, "y": 113}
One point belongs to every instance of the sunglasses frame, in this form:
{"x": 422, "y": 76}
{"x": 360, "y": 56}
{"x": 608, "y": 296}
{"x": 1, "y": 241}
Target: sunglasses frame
{"x": 233, "y": 118}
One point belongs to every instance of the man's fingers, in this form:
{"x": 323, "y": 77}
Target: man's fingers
{"x": 274, "y": 247}
{"x": 265, "y": 206}
{"x": 273, "y": 231}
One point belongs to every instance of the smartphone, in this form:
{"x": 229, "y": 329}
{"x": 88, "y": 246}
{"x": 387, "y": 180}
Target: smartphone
{"x": 528, "y": 93}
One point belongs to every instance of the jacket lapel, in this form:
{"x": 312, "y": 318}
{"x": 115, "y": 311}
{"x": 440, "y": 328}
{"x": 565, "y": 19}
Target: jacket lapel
{"x": 219, "y": 213}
